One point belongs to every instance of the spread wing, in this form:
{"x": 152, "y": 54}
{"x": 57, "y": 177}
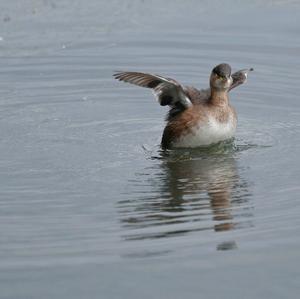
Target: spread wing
{"x": 167, "y": 91}
{"x": 239, "y": 77}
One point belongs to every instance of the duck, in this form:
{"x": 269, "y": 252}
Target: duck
{"x": 196, "y": 117}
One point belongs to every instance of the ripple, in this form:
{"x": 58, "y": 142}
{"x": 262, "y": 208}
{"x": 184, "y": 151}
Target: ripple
{"x": 69, "y": 127}
{"x": 198, "y": 189}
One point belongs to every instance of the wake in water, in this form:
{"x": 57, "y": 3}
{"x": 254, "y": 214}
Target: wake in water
{"x": 227, "y": 147}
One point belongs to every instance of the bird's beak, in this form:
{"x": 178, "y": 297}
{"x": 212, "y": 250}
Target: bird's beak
{"x": 226, "y": 77}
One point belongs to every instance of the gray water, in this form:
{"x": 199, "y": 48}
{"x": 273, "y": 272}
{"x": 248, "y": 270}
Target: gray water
{"x": 90, "y": 206}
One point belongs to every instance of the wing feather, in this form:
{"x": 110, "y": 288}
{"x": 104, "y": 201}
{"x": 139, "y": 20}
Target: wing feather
{"x": 239, "y": 77}
{"x": 166, "y": 90}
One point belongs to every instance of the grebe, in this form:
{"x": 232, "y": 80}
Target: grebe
{"x": 196, "y": 117}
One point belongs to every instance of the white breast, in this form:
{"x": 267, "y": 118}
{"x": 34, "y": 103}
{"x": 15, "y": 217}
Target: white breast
{"x": 213, "y": 131}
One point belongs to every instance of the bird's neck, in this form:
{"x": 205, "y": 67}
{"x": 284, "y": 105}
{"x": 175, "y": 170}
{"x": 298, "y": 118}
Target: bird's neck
{"x": 219, "y": 97}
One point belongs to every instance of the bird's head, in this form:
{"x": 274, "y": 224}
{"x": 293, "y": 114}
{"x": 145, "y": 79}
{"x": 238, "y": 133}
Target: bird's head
{"x": 220, "y": 77}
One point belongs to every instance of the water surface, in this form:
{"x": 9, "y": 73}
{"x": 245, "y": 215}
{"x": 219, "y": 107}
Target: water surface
{"x": 90, "y": 205}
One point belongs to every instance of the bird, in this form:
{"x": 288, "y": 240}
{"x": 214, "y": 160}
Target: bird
{"x": 196, "y": 117}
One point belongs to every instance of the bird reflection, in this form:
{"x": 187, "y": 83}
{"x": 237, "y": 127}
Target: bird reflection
{"x": 185, "y": 192}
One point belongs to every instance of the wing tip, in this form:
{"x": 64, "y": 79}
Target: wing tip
{"x": 118, "y": 74}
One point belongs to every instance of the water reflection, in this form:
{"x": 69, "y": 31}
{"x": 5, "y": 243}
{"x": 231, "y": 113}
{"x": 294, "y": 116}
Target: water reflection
{"x": 185, "y": 192}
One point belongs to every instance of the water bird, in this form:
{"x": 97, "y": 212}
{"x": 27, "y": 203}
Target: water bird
{"x": 196, "y": 117}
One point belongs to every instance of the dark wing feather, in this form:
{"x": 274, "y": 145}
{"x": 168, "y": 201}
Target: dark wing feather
{"x": 239, "y": 77}
{"x": 167, "y": 91}
{"x": 140, "y": 79}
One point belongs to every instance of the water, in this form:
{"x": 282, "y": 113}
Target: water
{"x": 90, "y": 206}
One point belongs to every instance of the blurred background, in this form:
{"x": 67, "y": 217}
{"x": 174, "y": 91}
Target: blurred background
{"x": 89, "y": 205}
